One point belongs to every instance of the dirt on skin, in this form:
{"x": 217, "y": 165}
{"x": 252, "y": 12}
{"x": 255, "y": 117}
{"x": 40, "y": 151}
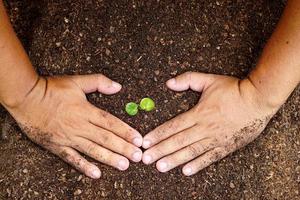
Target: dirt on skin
{"x": 142, "y": 44}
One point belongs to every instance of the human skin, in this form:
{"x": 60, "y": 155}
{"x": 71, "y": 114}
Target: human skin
{"x": 54, "y": 112}
{"x": 231, "y": 112}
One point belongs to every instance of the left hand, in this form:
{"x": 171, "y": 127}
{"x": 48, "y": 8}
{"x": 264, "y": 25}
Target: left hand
{"x": 230, "y": 114}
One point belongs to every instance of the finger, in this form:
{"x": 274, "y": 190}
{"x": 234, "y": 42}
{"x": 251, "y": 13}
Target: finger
{"x": 184, "y": 155}
{"x": 191, "y": 80}
{"x": 173, "y": 144}
{"x": 169, "y": 128}
{"x": 101, "y": 154}
{"x": 96, "y": 82}
{"x": 112, "y": 142}
{"x": 204, "y": 161}
{"x": 72, "y": 157}
{"x": 109, "y": 122}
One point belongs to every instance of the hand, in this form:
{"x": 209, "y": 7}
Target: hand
{"x": 56, "y": 115}
{"x": 230, "y": 114}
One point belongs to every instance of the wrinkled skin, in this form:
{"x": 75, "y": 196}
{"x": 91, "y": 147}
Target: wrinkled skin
{"x": 230, "y": 114}
{"x": 56, "y": 115}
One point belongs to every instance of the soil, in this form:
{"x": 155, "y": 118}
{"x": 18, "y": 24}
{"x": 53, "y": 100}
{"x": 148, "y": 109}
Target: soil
{"x": 141, "y": 44}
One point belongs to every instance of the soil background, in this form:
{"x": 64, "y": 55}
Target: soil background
{"x": 142, "y": 44}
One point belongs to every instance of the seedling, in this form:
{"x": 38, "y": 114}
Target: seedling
{"x": 132, "y": 108}
{"x": 147, "y": 104}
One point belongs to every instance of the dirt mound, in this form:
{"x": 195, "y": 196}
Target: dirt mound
{"x": 142, "y": 44}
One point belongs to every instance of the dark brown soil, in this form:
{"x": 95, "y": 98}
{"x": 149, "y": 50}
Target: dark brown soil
{"x": 142, "y": 44}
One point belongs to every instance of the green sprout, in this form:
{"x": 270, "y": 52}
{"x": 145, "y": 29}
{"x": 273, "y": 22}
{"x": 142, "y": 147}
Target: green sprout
{"x": 131, "y": 108}
{"x": 147, "y": 104}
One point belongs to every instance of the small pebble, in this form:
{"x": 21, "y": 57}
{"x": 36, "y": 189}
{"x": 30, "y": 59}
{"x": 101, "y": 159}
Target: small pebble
{"x": 128, "y": 192}
{"x": 77, "y": 192}
{"x": 58, "y": 44}
{"x": 104, "y": 194}
{"x": 107, "y": 52}
{"x": 66, "y": 20}
{"x": 79, "y": 178}
{"x": 174, "y": 73}
{"x": 111, "y": 29}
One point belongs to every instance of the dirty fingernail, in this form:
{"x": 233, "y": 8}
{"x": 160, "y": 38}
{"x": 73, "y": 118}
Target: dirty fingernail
{"x": 137, "y": 156}
{"x": 147, "y": 159}
{"x": 122, "y": 165}
{"x": 137, "y": 142}
{"x": 96, "y": 173}
{"x": 146, "y": 144}
{"x": 187, "y": 171}
{"x": 162, "y": 166}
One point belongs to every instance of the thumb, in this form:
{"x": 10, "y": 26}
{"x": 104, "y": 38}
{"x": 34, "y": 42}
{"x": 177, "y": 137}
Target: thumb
{"x": 96, "y": 82}
{"x": 191, "y": 80}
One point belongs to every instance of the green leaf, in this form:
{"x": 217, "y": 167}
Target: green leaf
{"x": 131, "y": 108}
{"x": 147, "y": 104}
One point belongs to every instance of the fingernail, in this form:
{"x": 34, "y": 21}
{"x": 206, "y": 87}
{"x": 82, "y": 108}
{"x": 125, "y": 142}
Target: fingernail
{"x": 172, "y": 81}
{"x": 146, "y": 144}
{"x": 122, "y": 165}
{"x": 96, "y": 173}
{"x": 137, "y": 156}
{"x": 116, "y": 85}
{"x": 187, "y": 171}
{"x": 147, "y": 159}
{"x": 162, "y": 166}
{"x": 137, "y": 141}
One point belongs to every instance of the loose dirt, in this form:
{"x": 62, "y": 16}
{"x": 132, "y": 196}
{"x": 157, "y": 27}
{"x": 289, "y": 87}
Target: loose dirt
{"x": 142, "y": 44}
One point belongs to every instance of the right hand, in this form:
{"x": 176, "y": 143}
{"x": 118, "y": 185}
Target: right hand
{"x": 56, "y": 115}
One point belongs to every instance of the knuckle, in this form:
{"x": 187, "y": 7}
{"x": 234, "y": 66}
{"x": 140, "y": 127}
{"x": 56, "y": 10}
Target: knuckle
{"x": 112, "y": 160}
{"x": 173, "y": 125}
{"x": 155, "y": 136}
{"x": 128, "y": 149}
{"x": 105, "y": 138}
{"x": 73, "y": 160}
{"x": 217, "y": 156}
{"x": 128, "y": 135}
{"x": 194, "y": 151}
{"x": 102, "y": 114}
{"x": 229, "y": 148}
{"x": 188, "y": 74}
{"x": 211, "y": 144}
{"x": 158, "y": 152}
{"x": 161, "y": 131}
{"x": 179, "y": 140}
{"x": 216, "y": 128}
{"x": 99, "y": 78}
{"x": 63, "y": 154}
{"x": 90, "y": 148}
